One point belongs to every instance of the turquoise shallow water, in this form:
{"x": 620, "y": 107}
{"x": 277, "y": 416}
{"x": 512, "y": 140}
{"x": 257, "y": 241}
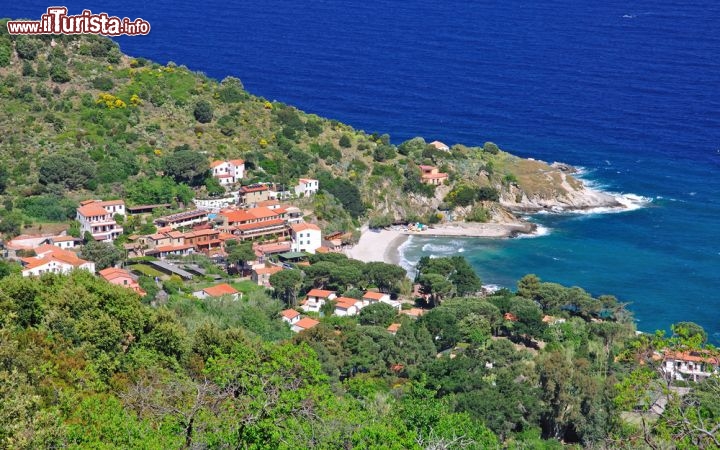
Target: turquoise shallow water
{"x": 631, "y": 91}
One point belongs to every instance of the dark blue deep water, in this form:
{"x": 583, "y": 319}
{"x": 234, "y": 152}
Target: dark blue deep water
{"x": 628, "y": 90}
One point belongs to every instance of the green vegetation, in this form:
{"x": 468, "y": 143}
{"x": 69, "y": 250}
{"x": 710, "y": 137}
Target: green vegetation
{"x": 85, "y": 364}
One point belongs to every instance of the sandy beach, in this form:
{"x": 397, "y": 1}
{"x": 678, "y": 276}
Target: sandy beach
{"x": 382, "y": 245}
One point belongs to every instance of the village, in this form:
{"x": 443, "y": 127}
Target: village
{"x": 256, "y": 214}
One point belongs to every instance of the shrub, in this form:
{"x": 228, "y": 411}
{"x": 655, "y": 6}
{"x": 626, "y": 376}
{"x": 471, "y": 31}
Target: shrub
{"x": 103, "y": 83}
{"x": 478, "y": 214}
{"x": 345, "y": 141}
{"x": 203, "y": 111}
{"x": 491, "y": 147}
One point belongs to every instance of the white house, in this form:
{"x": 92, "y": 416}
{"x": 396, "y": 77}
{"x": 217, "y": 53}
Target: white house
{"x": 290, "y": 316}
{"x": 217, "y": 291}
{"x": 51, "y": 259}
{"x": 98, "y": 218}
{"x": 316, "y": 298}
{"x": 690, "y": 366}
{"x": 440, "y": 146}
{"x": 306, "y": 237}
{"x": 346, "y": 306}
{"x": 228, "y": 172}
{"x": 307, "y": 187}
{"x": 370, "y": 298}
{"x": 304, "y": 324}
{"x": 63, "y": 242}
{"x": 216, "y": 204}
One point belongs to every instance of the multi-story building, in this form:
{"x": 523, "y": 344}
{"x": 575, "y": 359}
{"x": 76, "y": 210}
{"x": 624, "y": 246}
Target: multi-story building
{"x": 98, "y": 218}
{"x": 228, "y": 172}
{"x": 432, "y": 175}
{"x": 253, "y": 194}
{"x": 51, "y": 259}
{"x": 306, "y": 187}
{"x": 306, "y": 237}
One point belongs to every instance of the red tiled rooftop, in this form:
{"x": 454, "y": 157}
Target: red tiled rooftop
{"x": 320, "y": 293}
{"x": 290, "y": 314}
{"x": 220, "y": 289}
{"x": 298, "y": 227}
{"x": 92, "y": 209}
{"x": 306, "y": 323}
{"x": 374, "y": 295}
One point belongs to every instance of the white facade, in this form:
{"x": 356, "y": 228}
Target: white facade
{"x": 307, "y": 187}
{"x": 228, "y": 172}
{"x": 306, "y": 237}
{"x": 316, "y": 299}
{"x": 50, "y": 259}
{"x": 97, "y": 218}
{"x": 690, "y": 368}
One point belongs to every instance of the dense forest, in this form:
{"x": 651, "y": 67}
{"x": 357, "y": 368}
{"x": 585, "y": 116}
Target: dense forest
{"x": 86, "y": 364}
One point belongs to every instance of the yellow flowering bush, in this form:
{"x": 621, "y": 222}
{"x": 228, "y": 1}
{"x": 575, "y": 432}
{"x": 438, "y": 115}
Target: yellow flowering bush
{"x": 110, "y": 101}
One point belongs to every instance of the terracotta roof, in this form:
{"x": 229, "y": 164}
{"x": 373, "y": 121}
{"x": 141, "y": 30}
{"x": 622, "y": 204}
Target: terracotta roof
{"x": 394, "y": 327}
{"x": 220, "y": 289}
{"x": 224, "y": 175}
{"x": 694, "y": 356}
{"x": 172, "y": 248}
{"x": 214, "y": 164}
{"x": 298, "y": 227}
{"x": 237, "y": 162}
{"x": 306, "y": 180}
{"x": 237, "y": 216}
{"x": 267, "y": 223}
{"x": 111, "y": 203}
{"x": 433, "y": 176}
{"x": 320, "y": 293}
{"x": 510, "y": 316}
{"x": 290, "y": 313}
{"x": 113, "y": 272}
{"x": 254, "y": 188}
{"x": 374, "y": 295}
{"x": 206, "y": 232}
{"x": 92, "y": 209}
{"x": 268, "y": 270}
{"x": 306, "y": 323}
{"x": 345, "y": 302}
{"x": 263, "y": 212}
{"x": 47, "y": 253}
{"x": 322, "y": 250}
{"x": 423, "y": 167}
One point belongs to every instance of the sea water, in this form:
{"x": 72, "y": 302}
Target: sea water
{"x": 629, "y": 91}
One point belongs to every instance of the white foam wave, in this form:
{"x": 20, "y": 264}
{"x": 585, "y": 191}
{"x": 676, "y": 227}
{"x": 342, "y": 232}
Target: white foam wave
{"x": 629, "y": 202}
{"x": 439, "y": 248}
{"x": 541, "y": 230}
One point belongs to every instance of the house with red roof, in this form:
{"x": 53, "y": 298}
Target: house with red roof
{"x": 393, "y": 328}
{"x": 695, "y": 365}
{"x": 432, "y": 175}
{"x": 219, "y": 290}
{"x": 346, "y": 306}
{"x": 122, "y": 277}
{"x": 371, "y": 297}
{"x": 98, "y": 218}
{"x": 51, "y": 259}
{"x": 290, "y": 316}
{"x": 316, "y": 298}
{"x": 304, "y": 324}
{"x": 252, "y": 194}
{"x": 306, "y": 237}
{"x": 228, "y": 172}
{"x": 412, "y": 312}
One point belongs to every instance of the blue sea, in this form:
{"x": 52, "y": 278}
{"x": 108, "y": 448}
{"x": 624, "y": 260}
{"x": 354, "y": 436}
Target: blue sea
{"x": 628, "y": 90}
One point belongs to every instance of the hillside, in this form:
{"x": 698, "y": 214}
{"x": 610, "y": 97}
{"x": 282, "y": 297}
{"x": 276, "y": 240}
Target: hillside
{"x": 81, "y": 120}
